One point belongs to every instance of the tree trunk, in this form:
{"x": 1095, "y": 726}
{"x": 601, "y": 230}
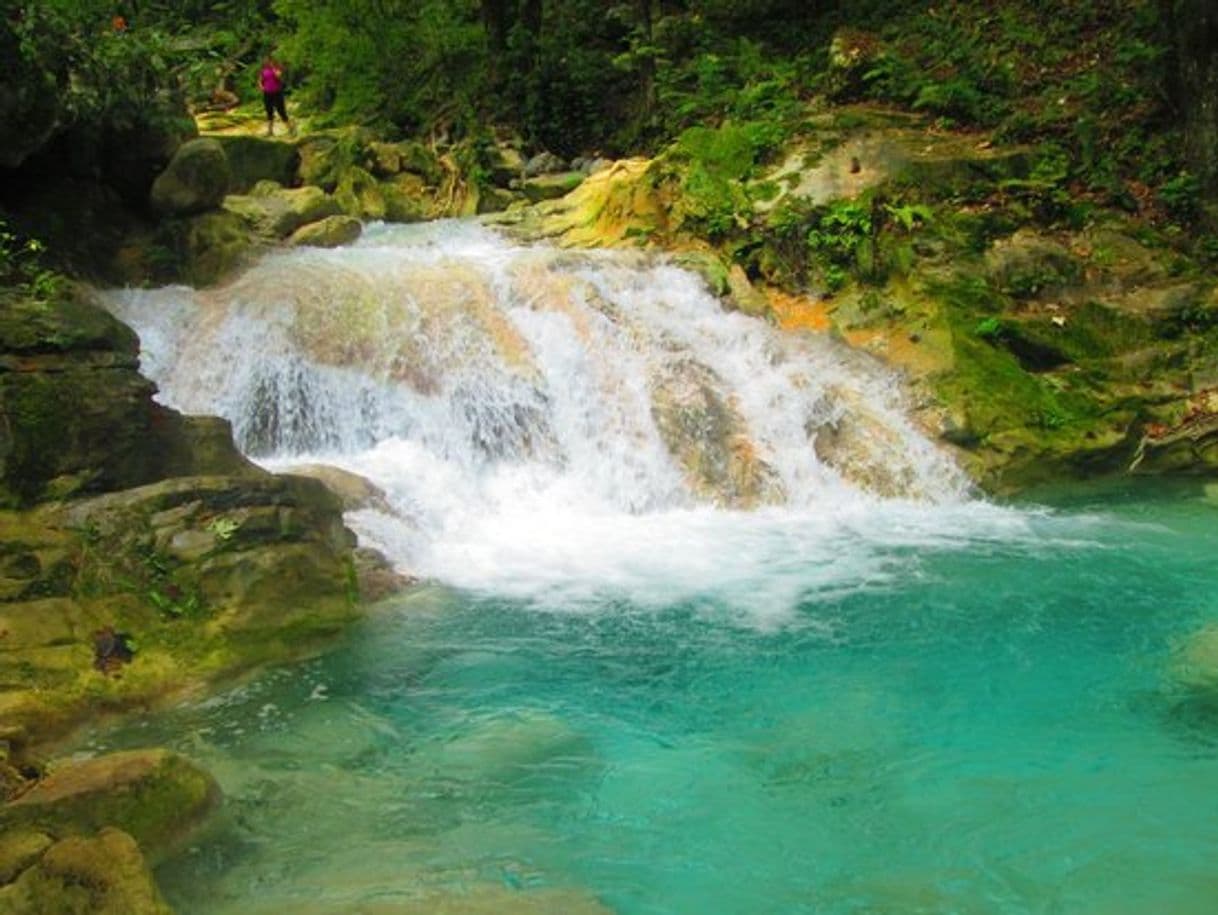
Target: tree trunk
{"x": 497, "y": 19}
{"x": 1194, "y": 25}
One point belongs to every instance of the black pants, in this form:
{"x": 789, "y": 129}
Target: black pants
{"x": 272, "y": 102}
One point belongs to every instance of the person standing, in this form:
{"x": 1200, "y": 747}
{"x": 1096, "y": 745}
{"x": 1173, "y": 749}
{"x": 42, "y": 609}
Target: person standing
{"x": 271, "y": 81}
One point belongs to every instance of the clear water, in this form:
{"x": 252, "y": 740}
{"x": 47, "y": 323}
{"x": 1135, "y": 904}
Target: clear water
{"x": 979, "y": 719}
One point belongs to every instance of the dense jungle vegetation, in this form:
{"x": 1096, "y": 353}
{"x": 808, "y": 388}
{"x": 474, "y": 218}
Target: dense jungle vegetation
{"x": 1116, "y": 96}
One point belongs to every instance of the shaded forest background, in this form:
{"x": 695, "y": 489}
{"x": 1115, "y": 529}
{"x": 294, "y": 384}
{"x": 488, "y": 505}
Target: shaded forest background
{"x": 1122, "y": 94}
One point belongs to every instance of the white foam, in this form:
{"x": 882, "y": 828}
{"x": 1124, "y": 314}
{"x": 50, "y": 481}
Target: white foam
{"x": 502, "y": 396}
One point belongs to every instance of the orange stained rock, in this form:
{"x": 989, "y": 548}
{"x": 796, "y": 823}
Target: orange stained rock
{"x": 796, "y": 312}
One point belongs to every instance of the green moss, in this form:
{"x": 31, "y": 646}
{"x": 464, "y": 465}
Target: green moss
{"x": 153, "y": 795}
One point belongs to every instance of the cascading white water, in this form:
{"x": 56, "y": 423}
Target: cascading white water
{"x": 556, "y": 424}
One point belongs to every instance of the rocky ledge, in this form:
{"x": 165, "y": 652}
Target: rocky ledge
{"x": 142, "y": 559}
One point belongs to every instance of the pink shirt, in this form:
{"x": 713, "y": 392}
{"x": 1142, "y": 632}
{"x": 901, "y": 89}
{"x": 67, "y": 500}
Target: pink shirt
{"x": 270, "y": 80}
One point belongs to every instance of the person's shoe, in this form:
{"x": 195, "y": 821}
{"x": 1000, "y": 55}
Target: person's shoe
{"x": 270, "y": 131}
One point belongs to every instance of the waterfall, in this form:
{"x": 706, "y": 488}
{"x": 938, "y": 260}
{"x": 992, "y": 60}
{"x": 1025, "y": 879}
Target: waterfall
{"x": 539, "y": 416}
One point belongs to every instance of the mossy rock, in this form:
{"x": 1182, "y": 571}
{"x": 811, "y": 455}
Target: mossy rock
{"x": 709, "y": 266}
{"x": 506, "y": 164}
{"x": 77, "y": 416}
{"x": 79, "y": 875}
{"x": 359, "y": 194}
{"x": 387, "y": 160}
{"x": 208, "y": 576}
{"x": 195, "y": 181}
{"x": 69, "y": 323}
{"x": 331, "y": 232}
{"x": 407, "y": 198}
{"x": 1028, "y": 265}
{"x": 19, "y": 848}
{"x": 278, "y": 212}
{"x": 155, "y": 796}
{"x": 212, "y": 247}
{"x": 326, "y": 157}
{"x": 253, "y": 159}
{"x": 551, "y": 187}
{"x": 495, "y": 200}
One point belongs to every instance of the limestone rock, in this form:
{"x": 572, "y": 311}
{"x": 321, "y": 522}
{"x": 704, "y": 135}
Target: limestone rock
{"x": 376, "y": 577}
{"x": 72, "y": 406}
{"x": 359, "y": 194}
{"x": 551, "y": 186}
{"x": 206, "y": 575}
{"x": 156, "y": 796}
{"x": 252, "y": 159}
{"x": 208, "y": 247}
{"x": 386, "y": 159}
{"x": 544, "y": 163}
{"x": 708, "y": 438}
{"x": 326, "y": 157}
{"x": 495, "y": 200}
{"x": 407, "y": 198}
{"x": 319, "y": 164}
{"x": 331, "y": 232}
{"x": 195, "y": 180}
{"x": 354, "y": 491}
{"x": 744, "y": 296}
{"x": 278, "y": 213}
{"x": 75, "y": 414}
{"x": 506, "y": 165}
{"x": 19, "y": 848}
{"x": 419, "y": 159}
{"x": 1028, "y": 265}
{"x": 105, "y": 875}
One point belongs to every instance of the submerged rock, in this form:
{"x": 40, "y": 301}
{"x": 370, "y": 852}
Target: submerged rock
{"x": 1194, "y": 663}
{"x": 506, "y": 749}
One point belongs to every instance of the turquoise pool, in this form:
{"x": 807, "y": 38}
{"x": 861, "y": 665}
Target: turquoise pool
{"x": 977, "y": 724}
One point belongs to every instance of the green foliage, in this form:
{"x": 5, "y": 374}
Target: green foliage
{"x": 990, "y": 328}
{"x": 840, "y": 233}
{"x": 1182, "y": 196}
{"x": 23, "y": 268}
{"x": 98, "y": 77}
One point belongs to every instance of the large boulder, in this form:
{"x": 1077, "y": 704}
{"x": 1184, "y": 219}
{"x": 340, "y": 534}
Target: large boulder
{"x": 76, "y": 415}
{"x": 277, "y": 212}
{"x": 253, "y": 159}
{"x": 195, "y": 181}
{"x": 155, "y": 796}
